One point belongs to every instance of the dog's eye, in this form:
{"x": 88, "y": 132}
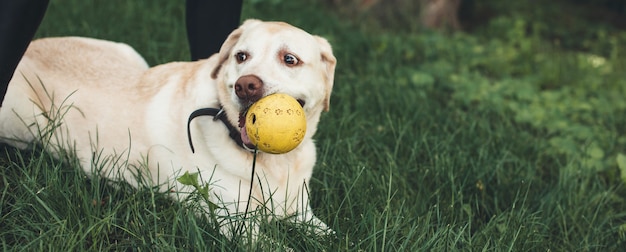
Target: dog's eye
{"x": 241, "y": 57}
{"x": 290, "y": 59}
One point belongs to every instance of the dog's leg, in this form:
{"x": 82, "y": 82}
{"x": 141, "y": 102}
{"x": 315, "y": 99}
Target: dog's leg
{"x": 20, "y": 118}
{"x": 235, "y": 225}
{"x": 308, "y": 218}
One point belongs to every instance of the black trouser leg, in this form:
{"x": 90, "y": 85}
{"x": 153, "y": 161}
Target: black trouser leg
{"x": 19, "y": 20}
{"x": 208, "y": 24}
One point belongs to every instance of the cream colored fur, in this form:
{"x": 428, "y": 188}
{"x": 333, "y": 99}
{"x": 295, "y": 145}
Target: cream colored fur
{"x": 109, "y": 102}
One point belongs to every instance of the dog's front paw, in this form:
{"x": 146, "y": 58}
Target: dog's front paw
{"x": 325, "y": 232}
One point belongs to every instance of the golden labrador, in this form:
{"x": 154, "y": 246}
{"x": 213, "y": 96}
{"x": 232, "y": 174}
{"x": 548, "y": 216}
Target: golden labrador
{"x": 101, "y": 100}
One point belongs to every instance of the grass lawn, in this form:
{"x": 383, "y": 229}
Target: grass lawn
{"x": 508, "y": 138}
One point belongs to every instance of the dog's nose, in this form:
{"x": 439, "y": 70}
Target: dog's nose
{"x": 249, "y": 88}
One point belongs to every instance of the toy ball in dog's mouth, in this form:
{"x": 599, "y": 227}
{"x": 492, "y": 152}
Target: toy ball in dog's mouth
{"x": 274, "y": 124}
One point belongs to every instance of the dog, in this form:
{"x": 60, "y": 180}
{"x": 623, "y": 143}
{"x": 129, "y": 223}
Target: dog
{"x": 101, "y": 99}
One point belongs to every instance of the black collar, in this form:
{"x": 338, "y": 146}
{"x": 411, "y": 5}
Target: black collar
{"x": 220, "y": 114}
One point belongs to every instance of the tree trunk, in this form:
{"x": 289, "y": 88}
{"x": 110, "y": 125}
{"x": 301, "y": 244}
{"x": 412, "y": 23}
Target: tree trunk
{"x": 440, "y": 14}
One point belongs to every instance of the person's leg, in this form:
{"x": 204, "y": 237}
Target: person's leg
{"x": 19, "y": 20}
{"x": 208, "y": 24}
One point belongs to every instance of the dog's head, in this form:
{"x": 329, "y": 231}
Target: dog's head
{"x": 263, "y": 58}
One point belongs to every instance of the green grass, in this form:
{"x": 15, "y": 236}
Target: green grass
{"x": 499, "y": 140}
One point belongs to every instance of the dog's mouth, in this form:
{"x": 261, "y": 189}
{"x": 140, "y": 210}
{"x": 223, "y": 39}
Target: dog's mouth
{"x": 242, "y": 125}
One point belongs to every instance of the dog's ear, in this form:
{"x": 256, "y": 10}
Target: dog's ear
{"x": 227, "y": 46}
{"x": 329, "y": 60}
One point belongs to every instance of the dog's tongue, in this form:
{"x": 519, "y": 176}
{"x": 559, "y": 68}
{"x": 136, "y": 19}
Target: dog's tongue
{"x": 244, "y": 134}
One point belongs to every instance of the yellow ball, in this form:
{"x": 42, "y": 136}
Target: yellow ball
{"x": 276, "y": 123}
